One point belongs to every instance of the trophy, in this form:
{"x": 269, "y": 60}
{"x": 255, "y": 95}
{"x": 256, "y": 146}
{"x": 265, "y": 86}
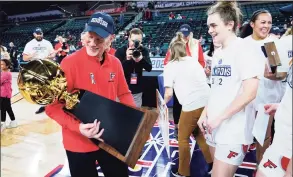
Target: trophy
{"x": 270, "y": 51}
{"x": 126, "y": 129}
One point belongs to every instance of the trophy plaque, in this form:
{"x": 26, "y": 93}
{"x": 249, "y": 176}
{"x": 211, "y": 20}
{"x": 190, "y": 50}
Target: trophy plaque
{"x": 126, "y": 129}
{"x": 272, "y": 55}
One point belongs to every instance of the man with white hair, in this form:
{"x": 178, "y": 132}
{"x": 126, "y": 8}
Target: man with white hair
{"x": 92, "y": 69}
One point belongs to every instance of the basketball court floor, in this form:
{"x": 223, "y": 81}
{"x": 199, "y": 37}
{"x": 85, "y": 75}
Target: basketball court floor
{"x": 34, "y": 149}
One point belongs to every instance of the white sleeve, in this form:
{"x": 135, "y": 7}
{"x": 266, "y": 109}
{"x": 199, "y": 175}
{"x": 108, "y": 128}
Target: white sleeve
{"x": 169, "y": 76}
{"x": 250, "y": 64}
{"x": 284, "y": 48}
{"x": 50, "y": 47}
{"x": 28, "y": 49}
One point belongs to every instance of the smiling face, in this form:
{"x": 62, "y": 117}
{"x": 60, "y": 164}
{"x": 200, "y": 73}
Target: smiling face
{"x": 262, "y": 26}
{"x": 96, "y": 45}
{"x": 218, "y": 29}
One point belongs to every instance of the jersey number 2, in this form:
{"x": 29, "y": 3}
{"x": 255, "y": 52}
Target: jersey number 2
{"x": 220, "y": 81}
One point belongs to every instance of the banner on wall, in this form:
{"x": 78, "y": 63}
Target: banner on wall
{"x": 109, "y": 11}
{"x": 164, "y": 4}
{"x": 157, "y": 64}
{"x": 37, "y": 14}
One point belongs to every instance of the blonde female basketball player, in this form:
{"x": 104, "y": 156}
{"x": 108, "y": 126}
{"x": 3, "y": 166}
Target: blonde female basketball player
{"x": 193, "y": 93}
{"x": 234, "y": 83}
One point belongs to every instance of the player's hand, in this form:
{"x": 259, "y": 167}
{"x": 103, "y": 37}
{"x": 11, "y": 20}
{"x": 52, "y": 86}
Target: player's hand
{"x": 207, "y": 71}
{"x": 202, "y": 122}
{"x": 213, "y": 124}
{"x": 271, "y": 108}
{"x": 129, "y": 54}
{"x": 288, "y": 175}
{"x": 91, "y": 130}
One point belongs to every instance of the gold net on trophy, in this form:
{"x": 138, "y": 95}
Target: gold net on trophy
{"x": 43, "y": 81}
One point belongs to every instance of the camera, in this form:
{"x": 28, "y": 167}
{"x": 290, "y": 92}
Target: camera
{"x": 137, "y": 49}
{"x": 64, "y": 46}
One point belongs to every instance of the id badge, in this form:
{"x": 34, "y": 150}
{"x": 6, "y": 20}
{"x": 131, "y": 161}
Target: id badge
{"x": 133, "y": 79}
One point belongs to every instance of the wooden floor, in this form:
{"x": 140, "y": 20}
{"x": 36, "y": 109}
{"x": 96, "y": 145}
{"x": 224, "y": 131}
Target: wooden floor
{"x": 35, "y": 146}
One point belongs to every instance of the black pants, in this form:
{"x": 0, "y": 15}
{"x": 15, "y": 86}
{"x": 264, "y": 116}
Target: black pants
{"x": 84, "y": 164}
{"x": 176, "y": 108}
{"x": 6, "y": 107}
{"x": 60, "y": 58}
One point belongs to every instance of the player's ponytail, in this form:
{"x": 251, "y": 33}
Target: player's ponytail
{"x": 228, "y": 11}
{"x": 178, "y": 50}
{"x": 179, "y": 37}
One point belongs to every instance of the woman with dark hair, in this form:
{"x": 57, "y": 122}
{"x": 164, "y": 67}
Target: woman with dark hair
{"x": 5, "y": 94}
{"x": 234, "y": 80}
{"x": 256, "y": 33}
{"x": 259, "y": 25}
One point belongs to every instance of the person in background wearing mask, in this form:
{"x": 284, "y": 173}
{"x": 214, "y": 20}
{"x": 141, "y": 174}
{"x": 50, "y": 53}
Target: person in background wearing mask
{"x": 92, "y": 68}
{"x": 134, "y": 65}
{"x": 38, "y": 48}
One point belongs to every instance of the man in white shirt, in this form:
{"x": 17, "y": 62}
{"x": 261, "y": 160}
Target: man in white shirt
{"x": 38, "y": 48}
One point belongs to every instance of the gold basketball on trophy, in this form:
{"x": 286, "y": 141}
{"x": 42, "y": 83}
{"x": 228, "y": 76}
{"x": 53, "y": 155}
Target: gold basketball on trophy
{"x": 42, "y": 82}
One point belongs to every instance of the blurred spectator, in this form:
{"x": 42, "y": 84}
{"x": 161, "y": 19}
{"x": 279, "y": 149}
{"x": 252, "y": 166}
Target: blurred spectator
{"x": 156, "y": 13}
{"x": 275, "y": 32}
{"x": 148, "y": 14}
{"x": 116, "y": 20}
{"x": 179, "y": 17}
{"x": 3, "y": 53}
{"x": 56, "y": 39}
{"x": 284, "y": 29}
{"x": 171, "y": 16}
{"x": 121, "y": 18}
{"x": 158, "y": 52}
{"x": 62, "y": 49}
{"x": 72, "y": 48}
{"x": 13, "y": 55}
